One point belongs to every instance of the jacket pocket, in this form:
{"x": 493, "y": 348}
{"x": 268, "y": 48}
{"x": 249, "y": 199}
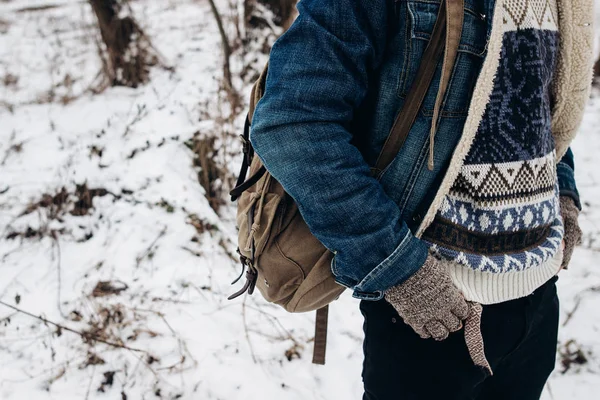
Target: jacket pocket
{"x": 420, "y": 19}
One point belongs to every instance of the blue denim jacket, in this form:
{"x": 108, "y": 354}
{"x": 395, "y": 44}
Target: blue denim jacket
{"x": 336, "y": 80}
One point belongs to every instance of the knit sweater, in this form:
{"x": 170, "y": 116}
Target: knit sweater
{"x": 500, "y": 221}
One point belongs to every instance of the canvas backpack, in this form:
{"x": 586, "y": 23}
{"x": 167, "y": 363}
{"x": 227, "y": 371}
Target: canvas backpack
{"x": 279, "y": 254}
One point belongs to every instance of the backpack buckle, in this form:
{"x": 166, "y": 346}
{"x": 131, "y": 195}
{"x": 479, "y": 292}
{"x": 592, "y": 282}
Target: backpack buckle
{"x": 251, "y": 277}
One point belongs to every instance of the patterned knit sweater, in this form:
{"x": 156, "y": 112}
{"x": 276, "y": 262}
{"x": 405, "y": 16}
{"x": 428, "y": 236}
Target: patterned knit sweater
{"x": 500, "y": 221}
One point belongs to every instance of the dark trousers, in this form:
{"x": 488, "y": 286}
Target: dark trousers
{"x": 520, "y": 339}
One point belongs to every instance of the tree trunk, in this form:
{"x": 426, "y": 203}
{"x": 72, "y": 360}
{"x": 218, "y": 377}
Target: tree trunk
{"x": 225, "y": 44}
{"x": 129, "y": 54}
{"x": 597, "y": 68}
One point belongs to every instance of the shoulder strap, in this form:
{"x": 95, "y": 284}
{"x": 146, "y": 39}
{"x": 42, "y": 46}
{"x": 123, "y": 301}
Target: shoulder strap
{"x": 449, "y": 25}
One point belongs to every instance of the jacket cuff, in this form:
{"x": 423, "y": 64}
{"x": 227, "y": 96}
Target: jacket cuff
{"x": 566, "y": 183}
{"x": 408, "y": 257}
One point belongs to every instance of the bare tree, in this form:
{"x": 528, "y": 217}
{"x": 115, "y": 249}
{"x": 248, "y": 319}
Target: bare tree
{"x": 128, "y": 53}
{"x": 226, "y": 46}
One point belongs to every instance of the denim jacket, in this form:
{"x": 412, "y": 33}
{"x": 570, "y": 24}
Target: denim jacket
{"x": 336, "y": 80}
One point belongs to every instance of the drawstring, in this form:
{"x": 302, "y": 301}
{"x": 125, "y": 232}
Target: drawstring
{"x": 254, "y": 219}
{"x": 454, "y": 22}
{"x": 261, "y": 202}
{"x": 474, "y": 338}
{"x": 433, "y": 130}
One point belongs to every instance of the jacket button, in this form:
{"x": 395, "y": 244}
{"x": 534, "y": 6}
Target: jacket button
{"x": 416, "y": 217}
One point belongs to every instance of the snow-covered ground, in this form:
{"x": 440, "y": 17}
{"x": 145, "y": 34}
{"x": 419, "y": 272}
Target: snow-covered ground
{"x": 105, "y": 230}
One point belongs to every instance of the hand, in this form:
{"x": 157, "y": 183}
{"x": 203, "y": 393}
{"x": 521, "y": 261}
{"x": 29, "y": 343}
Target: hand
{"x": 429, "y": 302}
{"x": 572, "y": 238}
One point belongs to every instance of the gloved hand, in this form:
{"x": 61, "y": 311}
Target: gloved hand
{"x": 429, "y": 302}
{"x": 572, "y": 238}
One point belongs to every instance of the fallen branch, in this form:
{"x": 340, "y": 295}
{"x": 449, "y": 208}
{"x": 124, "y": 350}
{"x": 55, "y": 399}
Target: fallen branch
{"x": 85, "y": 336}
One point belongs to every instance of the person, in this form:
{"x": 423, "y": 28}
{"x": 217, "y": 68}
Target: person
{"x": 454, "y": 250}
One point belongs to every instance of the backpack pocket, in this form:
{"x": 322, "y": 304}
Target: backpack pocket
{"x": 257, "y": 213}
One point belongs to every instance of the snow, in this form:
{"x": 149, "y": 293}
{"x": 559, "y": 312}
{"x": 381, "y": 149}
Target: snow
{"x": 139, "y": 233}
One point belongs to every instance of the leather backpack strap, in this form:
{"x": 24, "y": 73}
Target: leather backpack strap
{"x": 320, "y": 344}
{"x": 450, "y": 10}
{"x": 454, "y": 21}
{"x": 242, "y": 184}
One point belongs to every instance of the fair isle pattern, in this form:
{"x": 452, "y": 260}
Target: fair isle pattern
{"x": 516, "y": 122}
{"x": 495, "y": 220}
{"x": 505, "y": 263}
{"x": 530, "y": 14}
{"x": 501, "y": 214}
{"x": 506, "y": 184}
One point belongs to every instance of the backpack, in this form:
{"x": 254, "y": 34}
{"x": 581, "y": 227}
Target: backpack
{"x": 281, "y": 257}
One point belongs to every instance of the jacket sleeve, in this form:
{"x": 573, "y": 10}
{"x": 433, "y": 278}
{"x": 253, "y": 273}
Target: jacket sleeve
{"x": 318, "y": 76}
{"x": 565, "y": 170}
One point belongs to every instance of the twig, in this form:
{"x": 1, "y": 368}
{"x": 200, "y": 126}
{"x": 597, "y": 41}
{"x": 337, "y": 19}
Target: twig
{"x": 550, "y": 390}
{"x": 572, "y": 312}
{"x": 142, "y": 111}
{"x": 578, "y": 299}
{"x": 84, "y": 335}
{"x": 139, "y": 258}
{"x": 59, "y": 272}
{"x": 246, "y": 331}
{"x": 182, "y": 345}
{"x": 87, "y": 394}
{"x": 597, "y": 70}
{"x": 276, "y": 323}
{"x": 8, "y": 317}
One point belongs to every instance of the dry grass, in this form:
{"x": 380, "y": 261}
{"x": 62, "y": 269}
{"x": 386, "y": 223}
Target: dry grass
{"x": 55, "y": 207}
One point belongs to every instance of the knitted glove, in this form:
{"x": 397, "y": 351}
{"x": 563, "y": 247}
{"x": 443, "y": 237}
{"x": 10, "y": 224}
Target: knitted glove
{"x": 429, "y": 302}
{"x": 569, "y": 213}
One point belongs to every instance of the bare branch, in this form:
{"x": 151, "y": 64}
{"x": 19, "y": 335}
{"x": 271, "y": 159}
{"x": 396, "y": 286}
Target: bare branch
{"x": 84, "y": 335}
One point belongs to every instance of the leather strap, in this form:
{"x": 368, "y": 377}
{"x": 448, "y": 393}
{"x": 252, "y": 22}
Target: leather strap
{"x": 449, "y": 10}
{"x": 454, "y": 22}
{"x": 242, "y": 184}
{"x": 320, "y": 335}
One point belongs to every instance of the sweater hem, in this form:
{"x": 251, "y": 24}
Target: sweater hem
{"x": 491, "y": 288}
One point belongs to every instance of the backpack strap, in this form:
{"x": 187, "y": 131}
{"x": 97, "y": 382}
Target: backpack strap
{"x": 242, "y": 184}
{"x": 320, "y": 345}
{"x": 450, "y": 10}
